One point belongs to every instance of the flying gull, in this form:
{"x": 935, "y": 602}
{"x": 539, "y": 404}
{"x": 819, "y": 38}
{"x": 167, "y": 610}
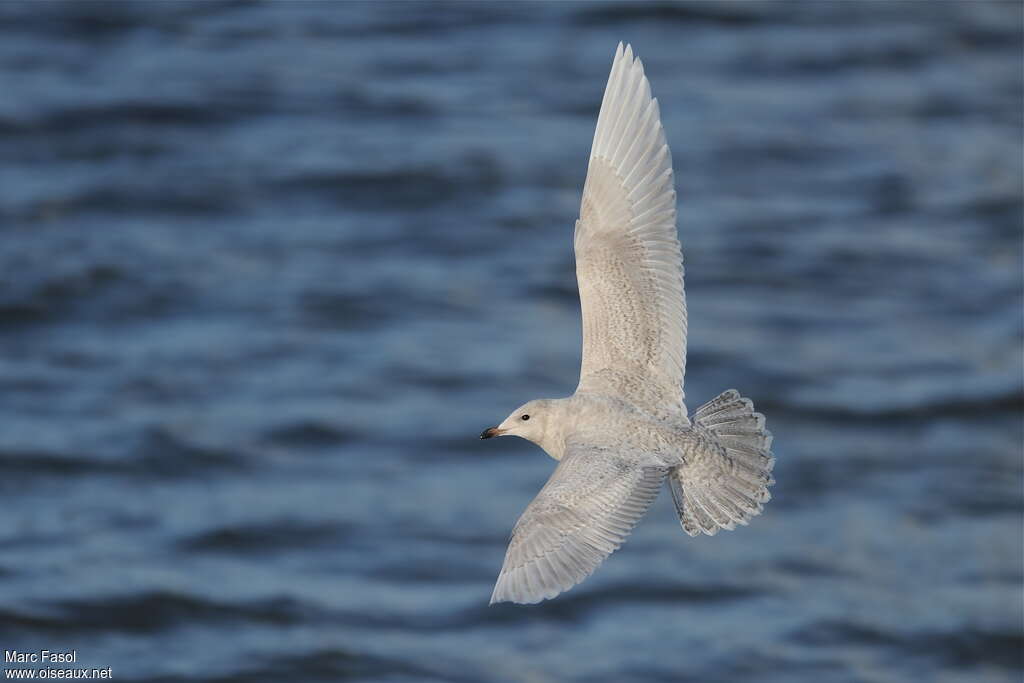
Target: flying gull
{"x": 625, "y": 430}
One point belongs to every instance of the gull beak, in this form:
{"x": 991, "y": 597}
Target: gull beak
{"x": 491, "y": 432}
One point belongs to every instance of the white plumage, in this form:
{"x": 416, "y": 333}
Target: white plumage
{"x": 625, "y": 430}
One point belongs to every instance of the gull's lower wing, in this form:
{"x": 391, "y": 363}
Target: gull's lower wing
{"x": 585, "y": 511}
{"x": 628, "y": 259}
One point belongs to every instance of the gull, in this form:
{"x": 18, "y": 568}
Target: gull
{"x": 625, "y": 431}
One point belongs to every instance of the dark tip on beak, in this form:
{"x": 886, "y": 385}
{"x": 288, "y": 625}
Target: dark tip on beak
{"x": 489, "y": 432}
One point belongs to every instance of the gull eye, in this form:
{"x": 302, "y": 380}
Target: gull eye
{"x": 524, "y": 418}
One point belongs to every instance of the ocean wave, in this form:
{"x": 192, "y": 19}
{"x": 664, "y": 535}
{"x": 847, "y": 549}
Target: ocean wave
{"x": 147, "y": 612}
{"x": 965, "y": 647}
{"x": 29, "y": 300}
{"x": 158, "y": 453}
{"x": 997, "y": 401}
{"x": 405, "y": 186}
{"x": 314, "y": 433}
{"x": 328, "y": 664}
{"x": 26, "y": 463}
{"x": 732, "y": 14}
{"x": 267, "y": 537}
{"x": 162, "y": 452}
{"x": 79, "y": 117}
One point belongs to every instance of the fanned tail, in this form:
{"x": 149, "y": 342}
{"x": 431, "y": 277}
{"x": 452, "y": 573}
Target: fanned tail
{"x": 727, "y": 484}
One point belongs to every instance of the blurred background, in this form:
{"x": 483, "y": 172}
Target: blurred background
{"x": 266, "y": 271}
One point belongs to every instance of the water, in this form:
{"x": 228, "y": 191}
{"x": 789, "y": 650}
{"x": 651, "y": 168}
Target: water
{"x": 267, "y": 270}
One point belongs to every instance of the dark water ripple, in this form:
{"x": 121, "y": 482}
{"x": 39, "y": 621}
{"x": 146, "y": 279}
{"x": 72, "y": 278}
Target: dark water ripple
{"x": 267, "y": 269}
{"x": 152, "y": 612}
{"x": 266, "y": 538}
{"x": 958, "y": 650}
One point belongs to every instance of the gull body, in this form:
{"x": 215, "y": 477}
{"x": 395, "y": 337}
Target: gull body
{"x": 554, "y": 420}
{"x": 625, "y": 431}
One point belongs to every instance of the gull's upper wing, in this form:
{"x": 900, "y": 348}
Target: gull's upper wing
{"x": 628, "y": 260}
{"x": 589, "y": 505}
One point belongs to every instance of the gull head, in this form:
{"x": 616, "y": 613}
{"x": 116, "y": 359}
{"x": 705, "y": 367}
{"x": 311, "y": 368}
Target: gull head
{"x": 532, "y": 421}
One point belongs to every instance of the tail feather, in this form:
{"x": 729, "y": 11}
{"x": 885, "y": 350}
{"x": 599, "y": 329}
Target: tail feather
{"x": 711, "y": 506}
{"x": 691, "y": 513}
{"x": 729, "y": 484}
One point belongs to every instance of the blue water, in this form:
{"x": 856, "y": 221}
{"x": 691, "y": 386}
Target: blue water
{"x": 266, "y": 271}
